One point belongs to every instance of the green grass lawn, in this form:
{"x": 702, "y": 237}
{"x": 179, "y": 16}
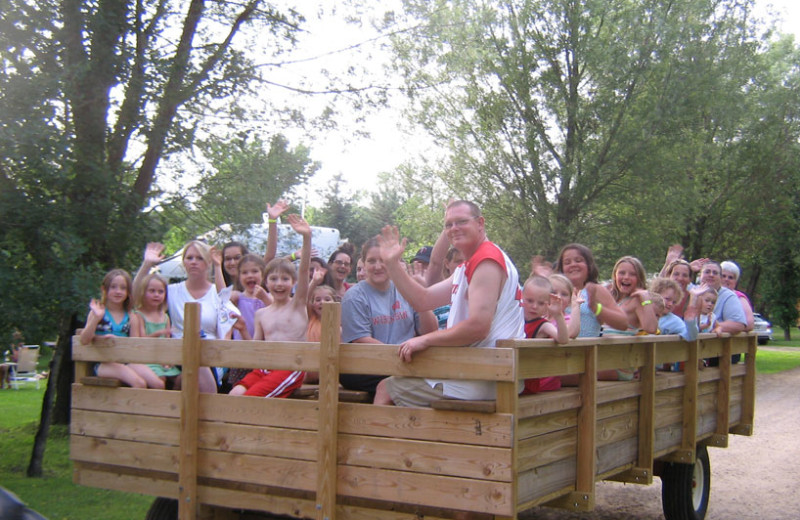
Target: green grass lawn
{"x": 57, "y": 498}
{"x": 54, "y": 495}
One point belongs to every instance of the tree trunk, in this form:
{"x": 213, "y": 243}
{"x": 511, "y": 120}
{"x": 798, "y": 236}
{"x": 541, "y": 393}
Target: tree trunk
{"x": 66, "y": 372}
{"x": 56, "y": 368}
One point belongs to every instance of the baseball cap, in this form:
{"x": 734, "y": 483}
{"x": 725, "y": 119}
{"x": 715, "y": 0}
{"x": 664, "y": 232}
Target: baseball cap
{"x": 424, "y": 255}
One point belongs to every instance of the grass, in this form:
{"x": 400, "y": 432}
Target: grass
{"x": 54, "y": 495}
{"x": 57, "y": 498}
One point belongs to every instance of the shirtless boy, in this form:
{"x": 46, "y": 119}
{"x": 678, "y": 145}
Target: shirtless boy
{"x": 286, "y": 319}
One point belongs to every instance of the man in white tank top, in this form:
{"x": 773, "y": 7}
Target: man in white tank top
{"x": 484, "y": 295}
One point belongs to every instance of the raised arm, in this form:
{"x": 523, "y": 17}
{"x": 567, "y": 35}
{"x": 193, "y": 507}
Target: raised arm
{"x": 153, "y": 254}
{"x": 483, "y": 294}
{"x": 219, "y": 276}
{"x": 674, "y": 252}
{"x": 96, "y": 312}
{"x": 421, "y": 298}
{"x": 272, "y": 238}
{"x": 438, "y": 254}
{"x": 556, "y": 313}
{"x": 301, "y": 226}
{"x": 574, "y": 325}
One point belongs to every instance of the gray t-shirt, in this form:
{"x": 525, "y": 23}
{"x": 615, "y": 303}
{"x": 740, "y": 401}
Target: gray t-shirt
{"x": 383, "y": 315}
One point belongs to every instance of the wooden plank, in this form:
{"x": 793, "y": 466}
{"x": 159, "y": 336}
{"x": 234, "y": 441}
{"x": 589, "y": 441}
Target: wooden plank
{"x": 259, "y": 411}
{"x": 532, "y": 426}
{"x": 618, "y": 407}
{"x": 88, "y": 475}
{"x": 124, "y": 454}
{"x": 616, "y": 428}
{"x": 436, "y": 458}
{"x": 280, "y": 472}
{"x": 616, "y": 457}
{"x": 135, "y": 401}
{"x": 413, "y": 488}
{"x": 190, "y": 390}
{"x": 464, "y": 405}
{"x": 545, "y": 449}
{"x": 508, "y": 402}
{"x": 647, "y": 411}
{"x": 100, "y": 381}
{"x": 549, "y": 402}
{"x": 141, "y": 428}
{"x": 212, "y": 435}
{"x": 536, "y": 484}
{"x": 689, "y": 433}
{"x": 723, "y": 396}
{"x": 163, "y": 351}
{"x": 550, "y": 361}
{"x": 587, "y": 428}
{"x": 328, "y": 411}
{"x": 748, "y": 407}
{"x": 491, "y": 364}
{"x": 608, "y": 391}
{"x": 426, "y": 424}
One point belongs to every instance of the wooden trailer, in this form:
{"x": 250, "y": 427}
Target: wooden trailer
{"x": 223, "y": 456}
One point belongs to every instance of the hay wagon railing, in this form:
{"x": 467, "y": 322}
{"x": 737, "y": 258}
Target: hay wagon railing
{"x": 324, "y": 458}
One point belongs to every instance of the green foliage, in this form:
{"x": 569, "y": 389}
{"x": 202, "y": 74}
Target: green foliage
{"x": 245, "y": 172}
{"x": 625, "y": 125}
{"x": 72, "y": 182}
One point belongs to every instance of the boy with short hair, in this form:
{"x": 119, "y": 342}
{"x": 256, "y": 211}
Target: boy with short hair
{"x": 286, "y": 319}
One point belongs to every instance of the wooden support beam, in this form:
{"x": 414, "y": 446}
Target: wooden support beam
{"x": 745, "y": 426}
{"x": 686, "y": 453}
{"x": 582, "y": 499}
{"x": 327, "y": 436}
{"x": 642, "y": 473}
{"x": 720, "y": 437}
{"x": 188, "y": 505}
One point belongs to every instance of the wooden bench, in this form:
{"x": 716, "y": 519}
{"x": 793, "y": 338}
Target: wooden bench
{"x": 328, "y": 458}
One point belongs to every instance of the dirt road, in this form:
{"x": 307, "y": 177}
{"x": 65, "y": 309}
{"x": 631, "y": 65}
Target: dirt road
{"x": 756, "y": 477}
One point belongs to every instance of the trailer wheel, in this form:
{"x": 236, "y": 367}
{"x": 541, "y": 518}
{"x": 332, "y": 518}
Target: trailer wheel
{"x": 685, "y": 488}
{"x": 163, "y": 509}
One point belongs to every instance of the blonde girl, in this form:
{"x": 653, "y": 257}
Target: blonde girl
{"x": 109, "y": 317}
{"x": 570, "y": 300}
{"x": 629, "y": 291}
{"x": 150, "y": 320}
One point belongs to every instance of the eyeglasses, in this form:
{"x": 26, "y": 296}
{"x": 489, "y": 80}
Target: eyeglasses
{"x": 458, "y": 223}
{"x": 728, "y": 276}
{"x": 711, "y": 271}
{"x": 341, "y": 263}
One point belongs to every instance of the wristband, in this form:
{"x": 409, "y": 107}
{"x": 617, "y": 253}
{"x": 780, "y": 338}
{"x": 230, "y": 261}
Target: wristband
{"x": 272, "y": 220}
{"x": 599, "y": 309}
{"x": 646, "y": 303}
{"x": 293, "y": 257}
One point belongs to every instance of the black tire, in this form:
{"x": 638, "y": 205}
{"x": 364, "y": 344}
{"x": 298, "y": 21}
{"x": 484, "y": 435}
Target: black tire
{"x": 763, "y": 341}
{"x": 685, "y": 488}
{"x": 163, "y": 509}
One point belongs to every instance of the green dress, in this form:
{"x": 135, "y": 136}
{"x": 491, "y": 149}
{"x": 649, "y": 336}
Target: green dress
{"x": 149, "y": 328}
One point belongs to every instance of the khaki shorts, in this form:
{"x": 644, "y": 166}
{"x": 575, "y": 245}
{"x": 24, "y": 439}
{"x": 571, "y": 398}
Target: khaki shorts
{"x": 412, "y": 391}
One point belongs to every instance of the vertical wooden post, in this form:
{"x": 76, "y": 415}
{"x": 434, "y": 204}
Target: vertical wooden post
{"x": 327, "y": 435}
{"x": 587, "y": 429}
{"x": 643, "y": 473}
{"x": 745, "y": 426}
{"x": 686, "y": 453}
{"x": 508, "y": 402}
{"x": 188, "y": 506}
{"x": 720, "y": 437}
{"x": 582, "y": 499}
